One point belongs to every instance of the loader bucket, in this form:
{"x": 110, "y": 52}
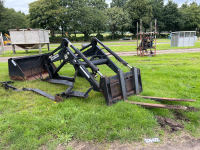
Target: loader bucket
{"x": 120, "y": 86}
{"x": 26, "y": 68}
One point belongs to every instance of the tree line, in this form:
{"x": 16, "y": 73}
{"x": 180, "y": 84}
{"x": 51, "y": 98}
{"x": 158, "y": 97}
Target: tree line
{"x": 10, "y": 19}
{"x": 94, "y": 16}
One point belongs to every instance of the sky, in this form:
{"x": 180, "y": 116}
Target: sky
{"x": 22, "y": 5}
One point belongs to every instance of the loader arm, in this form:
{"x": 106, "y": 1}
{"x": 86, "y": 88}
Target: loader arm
{"x": 114, "y": 88}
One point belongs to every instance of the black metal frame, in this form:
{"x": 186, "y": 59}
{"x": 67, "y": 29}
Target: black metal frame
{"x": 114, "y": 88}
{"x": 7, "y": 85}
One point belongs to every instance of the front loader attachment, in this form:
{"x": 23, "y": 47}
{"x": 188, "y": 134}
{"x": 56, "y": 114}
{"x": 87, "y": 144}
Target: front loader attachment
{"x": 114, "y": 88}
{"x": 120, "y": 86}
{"x": 27, "y": 68}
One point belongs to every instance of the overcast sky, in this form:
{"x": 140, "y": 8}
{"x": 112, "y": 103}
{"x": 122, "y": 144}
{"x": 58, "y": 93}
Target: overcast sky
{"x": 22, "y": 5}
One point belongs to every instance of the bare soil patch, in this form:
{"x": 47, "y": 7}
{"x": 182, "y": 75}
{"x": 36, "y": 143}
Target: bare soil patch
{"x": 171, "y": 142}
{"x": 192, "y": 109}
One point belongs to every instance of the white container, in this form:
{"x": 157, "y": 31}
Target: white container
{"x": 29, "y": 38}
{"x": 183, "y": 38}
{"x": 32, "y": 36}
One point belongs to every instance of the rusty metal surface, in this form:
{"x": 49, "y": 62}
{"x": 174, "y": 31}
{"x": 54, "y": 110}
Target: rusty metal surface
{"x": 115, "y": 89}
{"x": 58, "y": 98}
{"x": 150, "y": 105}
{"x": 27, "y": 68}
{"x": 167, "y": 99}
{"x": 129, "y": 85}
{"x": 17, "y": 78}
{"x": 43, "y": 74}
{"x": 34, "y": 71}
{"x": 111, "y": 87}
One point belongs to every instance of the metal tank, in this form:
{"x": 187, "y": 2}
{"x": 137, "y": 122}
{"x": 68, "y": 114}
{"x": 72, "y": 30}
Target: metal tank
{"x": 29, "y": 38}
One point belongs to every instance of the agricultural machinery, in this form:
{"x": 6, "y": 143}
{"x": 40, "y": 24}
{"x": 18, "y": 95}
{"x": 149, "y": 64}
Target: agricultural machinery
{"x": 114, "y": 88}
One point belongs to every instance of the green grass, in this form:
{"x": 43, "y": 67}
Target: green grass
{"x": 29, "y": 121}
{"x": 163, "y": 40}
{"x": 124, "y": 48}
{"x": 118, "y": 43}
{"x": 158, "y": 47}
{"x": 24, "y": 53}
{"x": 168, "y": 47}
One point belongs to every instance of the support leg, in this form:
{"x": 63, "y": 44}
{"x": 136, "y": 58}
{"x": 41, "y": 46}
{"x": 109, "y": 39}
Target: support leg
{"x": 40, "y": 51}
{"x": 13, "y": 48}
{"x": 1, "y": 49}
{"x": 48, "y": 47}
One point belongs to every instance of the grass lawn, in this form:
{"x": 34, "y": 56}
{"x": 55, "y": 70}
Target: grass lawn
{"x": 29, "y": 121}
{"x": 117, "y": 43}
{"x": 158, "y": 47}
{"x": 125, "y": 48}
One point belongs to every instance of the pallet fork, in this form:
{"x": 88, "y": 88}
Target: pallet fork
{"x": 114, "y": 88}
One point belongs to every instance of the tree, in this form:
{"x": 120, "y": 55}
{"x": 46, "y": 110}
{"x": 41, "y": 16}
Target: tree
{"x": 190, "y": 16}
{"x": 172, "y": 17}
{"x": 47, "y": 14}
{"x": 137, "y": 10}
{"x": 117, "y": 18}
{"x": 86, "y": 16}
{"x": 125, "y": 23}
{"x": 72, "y": 13}
{"x": 99, "y": 4}
{"x": 27, "y": 19}
{"x": 1, "y": 9}
{"x": 157, "y": 12}
{"x": 100, "y": 19}
{"x": 11, "y": 19}
{"x": 88, "y": 20}
{"x": 118, "y": 3}
{"x": 121, "y": 4}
